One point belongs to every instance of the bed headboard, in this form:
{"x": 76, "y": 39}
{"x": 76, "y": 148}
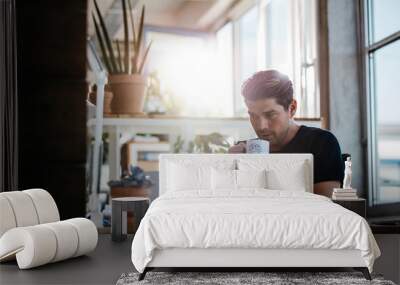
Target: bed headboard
{"x": 212, "y": 159}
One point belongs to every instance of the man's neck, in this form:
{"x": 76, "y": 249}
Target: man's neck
{"x": 290, "y": 134}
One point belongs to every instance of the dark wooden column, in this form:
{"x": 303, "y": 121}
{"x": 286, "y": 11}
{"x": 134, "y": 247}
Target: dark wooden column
{"x": 323, "y": 61}
{"x": 51, "y": 38}
{"x": 8, "y": 98}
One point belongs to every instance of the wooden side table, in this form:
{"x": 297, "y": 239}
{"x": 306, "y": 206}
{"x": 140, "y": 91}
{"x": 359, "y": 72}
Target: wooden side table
{"x": 132, "y": 191}
{"x": 119, "y": 218}
{"x": 357, "y": 205}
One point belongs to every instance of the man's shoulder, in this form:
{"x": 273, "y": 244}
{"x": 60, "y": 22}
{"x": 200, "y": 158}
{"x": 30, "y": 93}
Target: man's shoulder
{"x": 319, "y": 137}
{"x": 318, "y": 134}
{"x": 328, "y": 163}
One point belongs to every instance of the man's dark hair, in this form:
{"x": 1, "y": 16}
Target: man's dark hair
{"x": 269, "y": 84}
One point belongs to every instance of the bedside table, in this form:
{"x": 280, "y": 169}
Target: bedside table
{"x": 357, "y": 205}
{"x": 119, "y": 218}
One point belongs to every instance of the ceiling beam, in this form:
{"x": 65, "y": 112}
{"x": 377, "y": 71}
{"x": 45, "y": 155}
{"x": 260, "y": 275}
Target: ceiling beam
{"x": 217, "y": 10}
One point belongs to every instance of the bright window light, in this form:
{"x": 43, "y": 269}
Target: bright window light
{"x": 194, "y": 71}
{"x": 248, "y": 24}
{"x": 291, "y": 49}
{"x": 203, "y": 73}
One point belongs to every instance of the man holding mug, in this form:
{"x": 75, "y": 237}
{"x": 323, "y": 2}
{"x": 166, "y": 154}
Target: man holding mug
{"x": 271, "y": 106}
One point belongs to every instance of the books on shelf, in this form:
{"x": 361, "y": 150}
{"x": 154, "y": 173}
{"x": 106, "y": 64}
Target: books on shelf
{"x": 150, "y": 155}
{"x": 146, "y": 139}
{"x": 344, "y": 194}
{"x": 150, "y": 138}
{"x": 148, "y": 165}
{"x": 144, "y": 154}
{"x": 150, "y": 147}
{"x": 339, "y": 197}
{"x": 341, "y": 190}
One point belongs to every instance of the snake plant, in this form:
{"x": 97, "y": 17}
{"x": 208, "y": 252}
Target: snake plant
{"x": 132, "y": 61}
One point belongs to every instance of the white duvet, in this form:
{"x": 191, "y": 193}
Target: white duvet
{"x": 250, "y": 219}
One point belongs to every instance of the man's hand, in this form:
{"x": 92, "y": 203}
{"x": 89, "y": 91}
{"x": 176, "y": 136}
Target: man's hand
{"x": 238, "y": 148}
{"x": 326, "y": 188}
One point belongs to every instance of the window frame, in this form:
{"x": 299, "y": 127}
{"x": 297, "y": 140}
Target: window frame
{"x": 236, "y": 60}
{"x": 234, "y": 17}
{"x": 323, "y": 62}
{"x": 318, "y": 64}
{"x": 368, "y": 100}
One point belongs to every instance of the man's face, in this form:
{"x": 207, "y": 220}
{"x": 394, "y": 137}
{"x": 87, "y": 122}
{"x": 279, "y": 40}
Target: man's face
{"x": 269, "y": 119}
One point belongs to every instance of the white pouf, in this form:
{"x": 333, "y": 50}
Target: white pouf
{"x": 7, "y": 219}
{"x": 23, "y": 208}
{"x": 33, "y": 246}
{"x": 67, "y": 239}
{"x": 45, "y": 205}
{"x": 31, "y": 232}
{"x": 87, "y": 234}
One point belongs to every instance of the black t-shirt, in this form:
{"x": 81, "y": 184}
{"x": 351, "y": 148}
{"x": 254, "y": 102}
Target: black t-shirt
{"x": 328, "y": 163}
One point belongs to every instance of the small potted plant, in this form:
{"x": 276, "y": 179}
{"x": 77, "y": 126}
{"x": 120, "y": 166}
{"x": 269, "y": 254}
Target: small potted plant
{"x": 125, "y": 78}
{"x": 211, "y": 143}
{"x": 133, "y": 183}
{"x": 92, "y": 96}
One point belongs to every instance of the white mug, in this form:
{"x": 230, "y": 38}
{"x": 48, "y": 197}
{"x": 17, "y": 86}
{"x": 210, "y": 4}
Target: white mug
{"x": 257, "y": 146}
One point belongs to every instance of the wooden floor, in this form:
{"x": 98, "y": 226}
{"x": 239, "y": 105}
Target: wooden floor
{"x": 102, "y": 266}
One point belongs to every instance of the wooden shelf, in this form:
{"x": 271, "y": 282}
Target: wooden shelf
{"x": 148, "y": 165}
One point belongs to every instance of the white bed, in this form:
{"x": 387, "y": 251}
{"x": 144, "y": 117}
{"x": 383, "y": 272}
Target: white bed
{"x": 226, "y": 218}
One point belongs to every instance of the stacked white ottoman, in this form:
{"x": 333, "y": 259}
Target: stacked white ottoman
{"x": 31, "y": 230}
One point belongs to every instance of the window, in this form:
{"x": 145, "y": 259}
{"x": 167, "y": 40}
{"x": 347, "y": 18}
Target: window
{"x": 383, "y": 19}
{"x": 278, "y": 37}
{"x": 225, "y": 68}
{"x": 383, "y": 64}
{"x": 247, "y": 51}
{"x": 386, "y": 64}
{"x": 193, "y": 73}
{"x": 279, "y": 34}
{"x": 203, "y": 73}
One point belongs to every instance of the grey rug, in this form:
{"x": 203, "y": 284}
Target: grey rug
{"x": 228, "y": 278}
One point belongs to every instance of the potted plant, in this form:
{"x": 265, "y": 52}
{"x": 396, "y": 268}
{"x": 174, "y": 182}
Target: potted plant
{"x": 107, "y": 98}
{"x": 125, "y": 78}
{"x": 211, "y": 143}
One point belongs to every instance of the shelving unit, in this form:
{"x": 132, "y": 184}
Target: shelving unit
{"x": 185, "y": 127}
{"x": 137, "y": 150}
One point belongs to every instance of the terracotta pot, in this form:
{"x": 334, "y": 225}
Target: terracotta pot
{"x": 129, "y": 93}
{"x": 108, "y": 96}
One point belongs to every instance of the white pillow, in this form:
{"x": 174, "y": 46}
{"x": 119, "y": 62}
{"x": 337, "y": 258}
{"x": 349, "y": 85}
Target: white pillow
{"x": 230, "y": 180}
{"x": 194, "y": 173}
{"x": 251, "y": 179}
{"x": 223, "y": 179}
{"x": 281, "y": 174}
{"x": 182, "y": 177}
{"x": 291, "y": 180}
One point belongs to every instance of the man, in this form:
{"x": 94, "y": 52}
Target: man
{"x": 269, "y": 99}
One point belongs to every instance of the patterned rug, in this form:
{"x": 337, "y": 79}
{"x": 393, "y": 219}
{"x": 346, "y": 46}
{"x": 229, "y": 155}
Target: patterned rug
{"x": 273, "y": 278}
